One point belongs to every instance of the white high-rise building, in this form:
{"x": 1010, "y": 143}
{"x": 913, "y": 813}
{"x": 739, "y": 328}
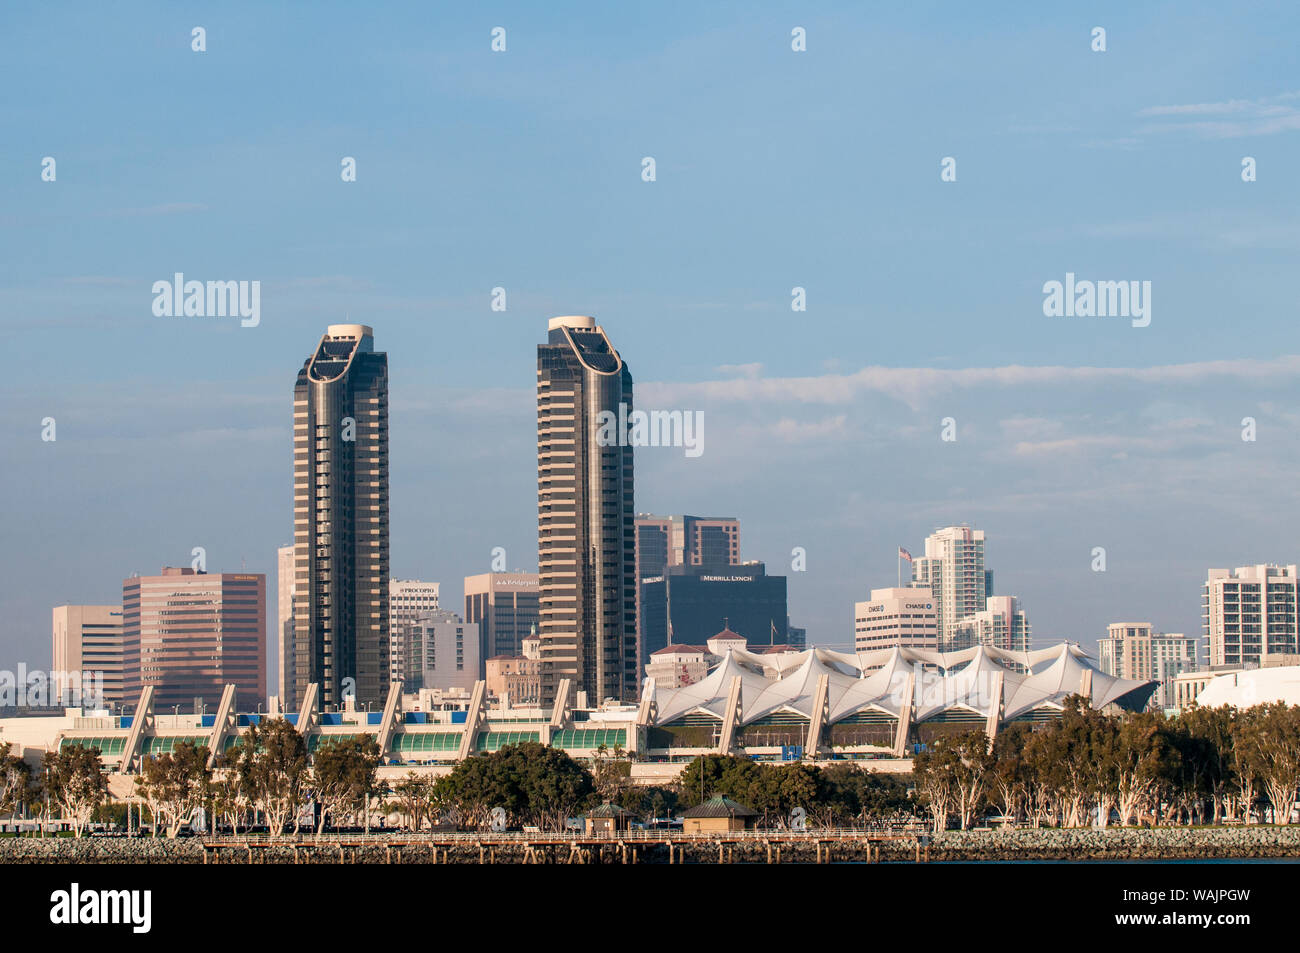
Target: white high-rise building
{"x": 1132, "y": 650}
{"x": 1249, "y": 615}
{"x": 408, "y": 599}
{"x": 897, "y": 617}
{"x": 953, "y": 570}
{"x": 283, "y": 642}
{"x": 1002, "y": 623}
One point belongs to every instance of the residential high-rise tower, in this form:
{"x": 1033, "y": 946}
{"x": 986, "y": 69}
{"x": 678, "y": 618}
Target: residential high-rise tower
{"x": 340, "y": 465}
{"x": 1249, "y": 614}
{"x": 586, "y": 541}
{"x": 953, "y": 570}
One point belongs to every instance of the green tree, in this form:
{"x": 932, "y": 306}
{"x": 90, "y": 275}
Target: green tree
{"x": 75, "y": 781}
{"x": 344, "y": 777}
{"x": 271, "y": 762}
{"x": 1012, "y": 777}
{"x": 175, "y": 785}
{"x": 1204, "y": 739}
{"x": 1146, "y": 764}
{"x": 15, "y": 781}
{"x": 1249, "y": 759}
{"x": 415, "y": 795}
{"x": 1273, "y": 745}
{"x": 611, "y": 772}
{"x": 229, "y": 798}
{"x": 935, "y": 784}
{"x": 535, "y": 784}
{"x": 713, "y": 774}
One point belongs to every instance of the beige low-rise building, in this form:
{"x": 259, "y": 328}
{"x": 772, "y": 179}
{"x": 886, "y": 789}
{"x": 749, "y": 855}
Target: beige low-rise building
{"x": 514, "y": 679}
{"x": 718, "y": 814}
{"x": 678, "y": 665}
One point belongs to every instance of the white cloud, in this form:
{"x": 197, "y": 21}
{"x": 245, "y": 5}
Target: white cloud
{"x": 915, "y": 386}
{"x": 1227, "y": 120}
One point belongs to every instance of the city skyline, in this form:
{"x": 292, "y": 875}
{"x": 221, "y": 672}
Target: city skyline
{"x": 924, "y": 298}
{"x": 579, "y": 368}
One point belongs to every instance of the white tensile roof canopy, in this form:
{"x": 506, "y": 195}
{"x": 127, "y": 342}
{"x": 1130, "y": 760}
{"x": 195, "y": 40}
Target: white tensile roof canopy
{"x": 978, "y": 680}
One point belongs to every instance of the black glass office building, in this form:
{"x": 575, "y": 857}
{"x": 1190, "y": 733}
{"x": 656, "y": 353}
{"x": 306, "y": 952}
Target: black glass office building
{"x": 688, "y": 605}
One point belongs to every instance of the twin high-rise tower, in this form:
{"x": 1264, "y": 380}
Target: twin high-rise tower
{"x": 340, "y": 520}
{"x": 586, "y": 538}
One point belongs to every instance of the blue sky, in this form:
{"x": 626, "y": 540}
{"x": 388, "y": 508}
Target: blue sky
{"x": 774, "y": 169}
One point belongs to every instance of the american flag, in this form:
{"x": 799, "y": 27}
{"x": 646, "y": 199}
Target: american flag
{"x": 904, "y": 554}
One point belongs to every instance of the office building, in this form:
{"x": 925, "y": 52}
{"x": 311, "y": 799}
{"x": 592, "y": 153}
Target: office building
{"x": 504, "y": 606}
{"x": 340, "y": 506}
{"x": 1132, "y": 650}
{"x": 408, "y": 599}
{"x": 1002, "y": 624}
{"x": 896, "y": 617}
{"x": 678, "y": 665}
{"x": 664, "y": 541}
{"x": 284, "y": 630}
{"x": 1249, "y": 615}
{"x": 953, "y": 570}
{"x": 188, "y": 634}
{"x": 516, "y": 680}
{"x": 586, "y": 544}
{"x": 443, "y": 651}
{"x": 88, "y": 641}
{"x": 687, "y": 605}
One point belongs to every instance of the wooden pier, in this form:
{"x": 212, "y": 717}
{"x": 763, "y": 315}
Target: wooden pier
{"x": 630, "y": 847}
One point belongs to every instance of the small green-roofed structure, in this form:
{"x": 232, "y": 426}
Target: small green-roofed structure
{"x": 607, "y": 819}
{"x": 718, "y": 814}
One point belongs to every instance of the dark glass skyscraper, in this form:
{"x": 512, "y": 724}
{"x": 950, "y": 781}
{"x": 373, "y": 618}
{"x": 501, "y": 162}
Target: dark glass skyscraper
{"x": 340, "y": 510}
{"x": 688, "y": 605}
{"x": 586, "y": 542}
{"x": 665, "y": 541}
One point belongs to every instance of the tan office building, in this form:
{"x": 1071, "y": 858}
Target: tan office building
{"x": 516, "y": 679}
{"x": 896, "y": 618}
{"x": 505, "y": 607}
{"x": 88, "y": 639}
{"x": 284, "y": 565}
{"x": 189, "y": 634}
